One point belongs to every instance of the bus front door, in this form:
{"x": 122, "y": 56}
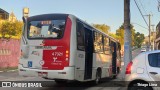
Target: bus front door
{"x": 88, "y": 54}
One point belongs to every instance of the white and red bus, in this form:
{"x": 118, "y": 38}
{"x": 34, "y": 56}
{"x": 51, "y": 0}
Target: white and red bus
{"x": 62, "y": 47}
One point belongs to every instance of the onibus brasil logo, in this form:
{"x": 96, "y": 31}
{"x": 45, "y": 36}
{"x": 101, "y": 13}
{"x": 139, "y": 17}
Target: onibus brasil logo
{"x": 21, "y": 84}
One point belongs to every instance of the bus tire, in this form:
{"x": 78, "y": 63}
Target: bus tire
{"x": 114, "y": 77}
{"x": 118, "y": 70}
{"x": 98, "y": 77}
{"x": 60, "y": 81}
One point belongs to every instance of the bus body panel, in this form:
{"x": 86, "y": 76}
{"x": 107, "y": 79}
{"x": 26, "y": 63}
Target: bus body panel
{"x": 80, "y": 65}
{"x": 49, "y": 54}
{"x": 46, "y": 59}
{"x": 60, "y": 58}
{"x": 104, "y": 62}
{"x": 30, "y": 53}
{"x": 77, "y": 58}
{"x": 73, "y": 42}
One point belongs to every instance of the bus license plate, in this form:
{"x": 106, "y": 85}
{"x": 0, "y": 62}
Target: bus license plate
{"x": 42, "y": 74}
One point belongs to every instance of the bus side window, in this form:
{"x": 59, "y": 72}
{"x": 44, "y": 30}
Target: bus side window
{"x": 80, "y": 36}
{"x": 98, "y": 44}
{"x": 106, "y": 45}
{"x": 111, "y": 46}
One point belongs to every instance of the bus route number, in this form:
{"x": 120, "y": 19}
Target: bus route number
{"x": 57, "y": 54}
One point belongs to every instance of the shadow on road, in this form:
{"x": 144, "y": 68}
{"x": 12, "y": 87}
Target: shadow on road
{"x": 106, "y": 82}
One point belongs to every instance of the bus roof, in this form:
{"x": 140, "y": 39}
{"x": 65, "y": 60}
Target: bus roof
{"x": 48, "y": 17}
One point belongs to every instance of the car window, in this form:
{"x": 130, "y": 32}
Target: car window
{"x": 154, "y": 59}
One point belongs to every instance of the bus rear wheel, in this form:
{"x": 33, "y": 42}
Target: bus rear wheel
{"x": 98, "y": 77}
{"x": 114, "y": 77}
{"x": 61, "y": 81}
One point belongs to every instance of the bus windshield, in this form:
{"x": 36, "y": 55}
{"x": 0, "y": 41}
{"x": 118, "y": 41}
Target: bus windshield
{"x": 46, "y": 29}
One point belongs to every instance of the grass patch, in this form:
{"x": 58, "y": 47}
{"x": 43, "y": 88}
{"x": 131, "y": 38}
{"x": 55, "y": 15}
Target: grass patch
{"x": 8, "y": 68}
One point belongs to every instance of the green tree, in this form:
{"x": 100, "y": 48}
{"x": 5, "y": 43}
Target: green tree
{"x": 114, "y": 36}
{"x": 104, "y": 28}
{"x": 139, "y": 38}
{"x": 10, "y": 29}
{"x": 120, "y": 34}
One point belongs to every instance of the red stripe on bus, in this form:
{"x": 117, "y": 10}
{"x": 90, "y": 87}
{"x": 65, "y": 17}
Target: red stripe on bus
{"x": 56, "y": 59}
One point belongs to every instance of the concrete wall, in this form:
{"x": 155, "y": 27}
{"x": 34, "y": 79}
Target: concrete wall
{"x": 9, "y": 53}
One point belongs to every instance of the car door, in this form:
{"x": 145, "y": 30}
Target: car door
{"x": 153, "y": 66}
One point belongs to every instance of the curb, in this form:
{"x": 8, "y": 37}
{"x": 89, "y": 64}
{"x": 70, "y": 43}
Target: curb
{"x": 9, "y": 71}
{"x": 1, "y": 71}
{"x": 12, "y": 70}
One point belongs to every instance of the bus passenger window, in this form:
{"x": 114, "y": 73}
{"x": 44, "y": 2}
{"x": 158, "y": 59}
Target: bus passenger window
{"x": 98, "y": 44}
{"x": 106, "y": 45}
{"x": 80, "y": 36}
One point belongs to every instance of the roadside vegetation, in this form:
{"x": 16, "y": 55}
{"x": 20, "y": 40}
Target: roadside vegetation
{"x": 137, "y": 37}
{"x": 10, "y": 29}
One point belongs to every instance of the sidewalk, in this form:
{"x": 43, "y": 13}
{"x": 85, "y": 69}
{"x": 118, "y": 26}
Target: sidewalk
{"x": 8, "y": 69}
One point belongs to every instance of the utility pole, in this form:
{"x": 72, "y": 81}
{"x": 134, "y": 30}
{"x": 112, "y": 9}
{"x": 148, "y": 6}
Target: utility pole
{"x": 158, "y": 5}
{"x": 127, "y": 34}
{"x": 153, "y": 36}
{"x": 149, "y": 28}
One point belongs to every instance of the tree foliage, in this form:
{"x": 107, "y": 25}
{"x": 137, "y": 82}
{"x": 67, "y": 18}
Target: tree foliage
{"x": 114, "y": 36}
{"x": 104, "y": 28}
{"x": 139, "y": 38}
{"x": 10, "y": 29}
{"x": 120, "y": 34}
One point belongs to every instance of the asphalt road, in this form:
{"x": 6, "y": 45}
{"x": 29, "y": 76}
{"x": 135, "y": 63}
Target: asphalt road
{"x": 13, "y": 76}
{"x": 53, "y": 86}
